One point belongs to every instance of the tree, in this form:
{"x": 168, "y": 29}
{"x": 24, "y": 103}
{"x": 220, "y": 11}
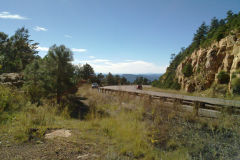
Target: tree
{"x": 172, "y": 57}
{"x": 124, "y": 81}
{"x": 77, "y": 73}
{"x": 200, "y": 35}
{"x": 141, "y": 80}
{"x": 59, "y": 71}
{"x": 33, "y": 76}
{"x": 110, "y": 79}
{"x": 117, "y": 80}
{"x": 17, "y": 51}
{"x": 87, "y": 71}
{"x": 100, "y": 78}
{"x": 230, "y": 15}
{"x": 214, "y": 24}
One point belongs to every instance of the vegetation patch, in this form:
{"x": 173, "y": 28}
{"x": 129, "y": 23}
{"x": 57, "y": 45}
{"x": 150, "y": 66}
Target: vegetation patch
{"x": 236, "y": 85}
{"x": 223, "y": 77}
{"x": 187, "y": 70}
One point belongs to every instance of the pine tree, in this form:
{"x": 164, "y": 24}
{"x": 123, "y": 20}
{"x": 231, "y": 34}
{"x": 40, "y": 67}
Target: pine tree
{"x": 59, "y": 71}
{"x": 200, "y": 35}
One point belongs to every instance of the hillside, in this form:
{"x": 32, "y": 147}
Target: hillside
{"x": 222, "y": 56}
{"x": 212, "y": 56}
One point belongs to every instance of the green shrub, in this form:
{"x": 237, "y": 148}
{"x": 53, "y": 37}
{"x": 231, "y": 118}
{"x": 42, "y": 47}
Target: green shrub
{"x": 187, "y": 70}
{"x": 236, "y": 86}
{"x": 10, "y": 101}
{"x": 176, "y": 85}
{"x": 223, "y": 77}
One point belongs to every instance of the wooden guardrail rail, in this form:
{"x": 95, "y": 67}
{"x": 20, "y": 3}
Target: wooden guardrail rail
{"x": 198, "y": 103}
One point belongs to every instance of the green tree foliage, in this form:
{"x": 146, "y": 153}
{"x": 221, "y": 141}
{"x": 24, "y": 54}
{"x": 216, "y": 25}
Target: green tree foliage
{"x": 33, "y": 75}
{"x": 60, "y": 69}
{"x": 117, "y": 79}
{"x": 200, "y": 35}
{"x": 16, "y": 51}
{"x": 187, "y": 70}
{"x": 52, "y": 76}
{"x": 100, "y": 78}
{"x": 87, "y": 72}
{"x": 142, "y": 80}
{"x": 214, "y": 24}
{"x": 77, "y": 73}
{"x": 124, "y": 81}
{"x": 110, "y": 80}
{"x": 204, "y": 37}
{"x": 223, "y": 77}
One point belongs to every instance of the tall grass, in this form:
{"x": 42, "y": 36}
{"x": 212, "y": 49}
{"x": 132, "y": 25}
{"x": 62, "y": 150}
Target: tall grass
{"x": 20, "y": 120}
{"x": 128, "y": 127}
{"x": 141, "y": 129}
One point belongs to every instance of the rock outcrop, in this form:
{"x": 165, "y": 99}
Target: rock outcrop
{"x": 207, "y": 63}
{"x": 11, "y": 79}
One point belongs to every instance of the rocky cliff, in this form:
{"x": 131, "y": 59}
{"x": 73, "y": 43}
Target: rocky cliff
{"x": 208, "y": 62}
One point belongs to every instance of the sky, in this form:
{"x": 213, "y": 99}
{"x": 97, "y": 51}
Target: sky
{"x": 117, "y": 36}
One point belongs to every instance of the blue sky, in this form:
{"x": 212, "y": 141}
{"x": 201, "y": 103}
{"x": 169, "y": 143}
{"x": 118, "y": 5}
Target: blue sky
{"x": 118, "y": 36}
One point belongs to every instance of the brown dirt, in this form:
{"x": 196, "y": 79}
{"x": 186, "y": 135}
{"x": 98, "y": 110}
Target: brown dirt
{"x": 50, "y": 149}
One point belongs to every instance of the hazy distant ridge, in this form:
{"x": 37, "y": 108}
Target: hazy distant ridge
{"x": 132, "y": 77}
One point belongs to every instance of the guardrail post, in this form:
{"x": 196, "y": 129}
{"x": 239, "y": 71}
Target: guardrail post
{"x": 162, "y": 99}
{"x": 150, "y": 99}
{"x": 196, "y": 108}
{"x": 177, "y": 103}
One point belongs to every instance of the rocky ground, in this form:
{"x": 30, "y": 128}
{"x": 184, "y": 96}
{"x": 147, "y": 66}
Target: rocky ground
{"x": 56, "y": 148}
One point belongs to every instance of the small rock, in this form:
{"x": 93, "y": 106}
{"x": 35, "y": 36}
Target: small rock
{"x": 58, "y": 133}
{"x": 82, "y": 156}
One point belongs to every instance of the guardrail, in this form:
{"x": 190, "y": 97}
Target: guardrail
{"x": 199, "y": 105}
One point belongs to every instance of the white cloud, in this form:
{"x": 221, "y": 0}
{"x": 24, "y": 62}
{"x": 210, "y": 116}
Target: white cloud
{"x": 133, "y": 66}
{"x": 92, "y": 57}
{"x": 43, "y": 49}
{"x": 7, "y": 15}
{"x": 67, "y": 36}
{"x": 79, "y": 50}
{"x": 37, "y": 28}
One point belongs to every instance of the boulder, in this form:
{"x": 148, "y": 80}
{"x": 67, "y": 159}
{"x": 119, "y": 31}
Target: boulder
{"x": 11, "y": 79}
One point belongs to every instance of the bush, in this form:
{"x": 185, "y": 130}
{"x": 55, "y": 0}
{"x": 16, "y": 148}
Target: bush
{"x": 236, "y": 86}
{"x": 10, "y": 102}
{"x": 187, "y": 70}
{"x": 176, "y": 85}
{"x": 223, "y": 77}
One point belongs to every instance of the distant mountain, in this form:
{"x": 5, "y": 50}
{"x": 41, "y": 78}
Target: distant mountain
{"x": 132, "y": 77}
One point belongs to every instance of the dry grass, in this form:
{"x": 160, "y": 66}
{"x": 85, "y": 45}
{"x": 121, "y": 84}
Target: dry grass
{"x": 128, "y": 127}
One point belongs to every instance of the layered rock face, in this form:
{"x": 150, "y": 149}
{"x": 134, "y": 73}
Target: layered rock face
{"x": 11, "y": 79}
{"x": 207, "y": 63}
